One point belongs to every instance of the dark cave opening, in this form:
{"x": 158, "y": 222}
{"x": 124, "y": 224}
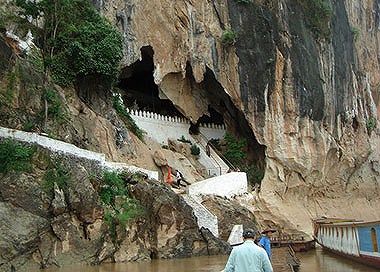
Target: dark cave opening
{"x": 139, "y": 89}
{"x": 213, "y": 117}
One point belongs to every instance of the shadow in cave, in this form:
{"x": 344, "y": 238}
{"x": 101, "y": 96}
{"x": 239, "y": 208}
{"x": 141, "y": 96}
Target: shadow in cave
{"x": 139, "y": 90}
{"x": 234, "y": 120}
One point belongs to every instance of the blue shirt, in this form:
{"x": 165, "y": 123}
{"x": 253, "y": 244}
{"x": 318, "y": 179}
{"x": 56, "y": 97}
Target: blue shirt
{"x": 248, "y": 257}
{"x": 265, "y": 242}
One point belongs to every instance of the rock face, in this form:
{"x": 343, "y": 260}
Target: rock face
{"x": 229, "y": 213}
{"x": 170, "y": 221}
{"x": 67, "y": 225}
{"x": 311, "y": 101}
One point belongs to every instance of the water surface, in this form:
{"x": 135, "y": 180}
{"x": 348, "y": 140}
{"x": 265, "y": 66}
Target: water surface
{"x": 313, "y": 261}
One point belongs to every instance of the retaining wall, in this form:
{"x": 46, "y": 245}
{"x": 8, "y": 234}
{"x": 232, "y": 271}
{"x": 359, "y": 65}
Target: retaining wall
{"x": 70, "y": 150}
{"x": 228, "y": 185}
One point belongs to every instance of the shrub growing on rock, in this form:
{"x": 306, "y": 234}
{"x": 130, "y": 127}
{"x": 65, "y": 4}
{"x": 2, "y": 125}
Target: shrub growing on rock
{"x": 76, "y": 41}
{"x": 14, "y": 156}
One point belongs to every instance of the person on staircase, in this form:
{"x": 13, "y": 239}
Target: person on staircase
{"x": 180, "y": 178}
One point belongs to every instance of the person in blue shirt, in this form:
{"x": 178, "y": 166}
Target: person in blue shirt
{"x": 265, "y": 241}
{"x": 248, "y": 257}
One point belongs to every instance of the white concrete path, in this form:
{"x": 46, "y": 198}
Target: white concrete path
{"x": 70, "y": 149}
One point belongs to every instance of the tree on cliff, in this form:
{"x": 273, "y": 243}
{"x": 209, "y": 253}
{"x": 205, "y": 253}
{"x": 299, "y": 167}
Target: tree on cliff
{"x": 76, "y": 42}
{"x": 75, "y": 39}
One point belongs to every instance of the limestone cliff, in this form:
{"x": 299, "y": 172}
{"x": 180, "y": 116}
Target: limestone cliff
{"x": 305, "y": 97}
{"x": 308, "y": 90}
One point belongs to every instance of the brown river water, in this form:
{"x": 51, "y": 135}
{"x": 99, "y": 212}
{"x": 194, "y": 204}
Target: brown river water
{"x": 312, "y": 261}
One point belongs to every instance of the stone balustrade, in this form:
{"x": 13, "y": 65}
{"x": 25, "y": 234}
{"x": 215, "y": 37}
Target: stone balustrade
{"x": 171, "y": 119}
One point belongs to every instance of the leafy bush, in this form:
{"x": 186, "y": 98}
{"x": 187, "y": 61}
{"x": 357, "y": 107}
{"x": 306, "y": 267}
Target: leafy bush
{"x": 317, "y": 16}
{"x": 14, "y": 156}
{"x": 195, "y": 150}
{"x": 229, "y": 37}
{"x": 129, "y": 122}
{"x": 244, "y": 1}
{"x": 58, "y": 174}
{"x": 55, "y": 105}
{"x": 75, "y": 39}
{"x": 370, "y": 123}
{"x": 254, "y": 174}
{"x": 184, "y": 140}
{"x": 113, "y": 187}
{"x": 235, "y": 152}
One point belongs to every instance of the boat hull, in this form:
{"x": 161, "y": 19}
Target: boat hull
{"x": 354, "y": 239}
{"x": 364, "y": 259}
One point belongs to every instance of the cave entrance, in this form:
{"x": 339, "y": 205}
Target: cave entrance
{"x": 139, "y": 90}
{"x": 222, "y": 109}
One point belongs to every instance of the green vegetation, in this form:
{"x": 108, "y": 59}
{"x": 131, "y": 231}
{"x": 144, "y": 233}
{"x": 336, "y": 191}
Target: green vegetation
{"x": 215, "y": 143}
{"x": 317, "y": 16}
{"x": 195, "y": 150}
{"x": 355, "y": 32}
{"x": 244, "y": 1}
{"x": 129, "y": 122}
{"x": 75, "y": 40}
{"x": 184, "y": 140}
{"x": 55, "y": 105}
{"x": 28, "y": 126}
{"x": 6, "y": 15}
{"x": 229, "y": 37}
{"x": 235, "y": 152}
{"x": 56, "y": 173}
{"x": 370, "y": 123}
{"x": 14, "y": 156}
{"x": 9, "y": 91}
{"x": 118, "y": 205}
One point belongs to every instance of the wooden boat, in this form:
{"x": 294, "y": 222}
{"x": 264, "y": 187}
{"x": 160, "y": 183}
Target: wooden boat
{"x": 357, "y": 240}
{"x": 298, "y": 241}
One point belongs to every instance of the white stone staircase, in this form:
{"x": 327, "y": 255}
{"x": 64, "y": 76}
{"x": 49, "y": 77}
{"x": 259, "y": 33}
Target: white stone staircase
{"x": 219, "y": 166}
{"x": 204, "y": 217}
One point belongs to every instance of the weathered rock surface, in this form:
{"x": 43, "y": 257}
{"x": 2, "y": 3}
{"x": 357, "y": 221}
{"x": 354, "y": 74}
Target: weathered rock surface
{"x": 186, "y": 38}
{"x": 66, "y": 226}
{"x": 58, "y": 204}
{"x": 83, "y": 199}
{"x": 159, "y": 158}
{"x": 229, "y": 213}
{"x": 20, "y": 235}
{"x": 311, "y": 104}
{"x": 169, "y": 227}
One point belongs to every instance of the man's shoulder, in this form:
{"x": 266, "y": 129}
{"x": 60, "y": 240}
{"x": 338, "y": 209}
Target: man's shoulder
{"x": 261, "y": 250}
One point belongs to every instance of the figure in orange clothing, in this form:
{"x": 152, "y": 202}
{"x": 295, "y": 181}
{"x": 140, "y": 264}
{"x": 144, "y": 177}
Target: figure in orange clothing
{"x": 169, "y": 179}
